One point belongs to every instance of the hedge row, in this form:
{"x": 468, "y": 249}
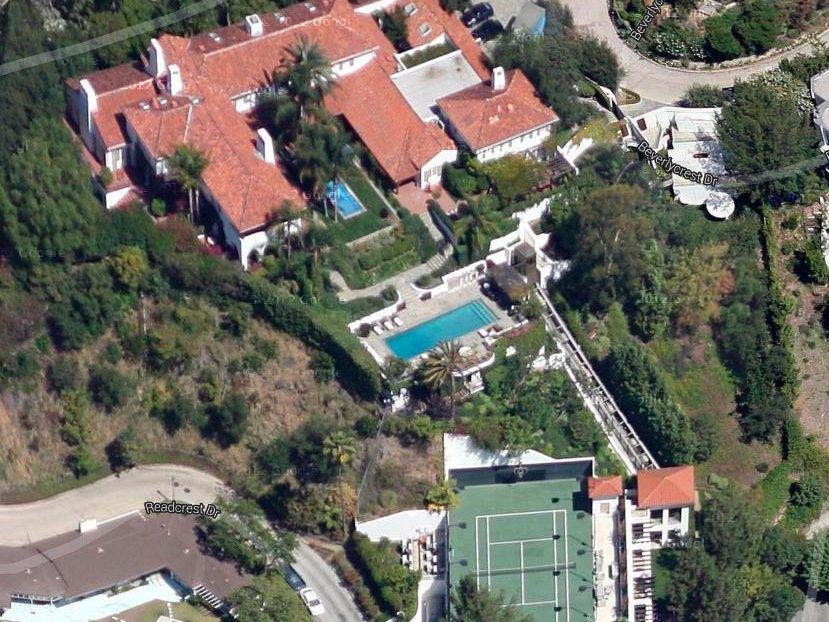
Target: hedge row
{"x": 362, "y": 595}
{"x": 394, "y": 586}
{"x": 356, "y": 370}
{"x": 380, "y": 254}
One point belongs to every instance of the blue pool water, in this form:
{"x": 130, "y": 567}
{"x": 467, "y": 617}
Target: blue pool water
{"x": 445, "y": 327}
{"x": 340, "y": 195}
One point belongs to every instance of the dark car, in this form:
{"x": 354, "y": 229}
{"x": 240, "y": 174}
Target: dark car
{"x": 487, "y": 31}
{"x": 292, "y": 577}
{"x": 476, "y": 14}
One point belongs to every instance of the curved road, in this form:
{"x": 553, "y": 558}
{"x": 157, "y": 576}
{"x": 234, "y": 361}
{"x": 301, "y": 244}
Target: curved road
{"x": 657, "y": 82}
{"x": 107, "y": 498}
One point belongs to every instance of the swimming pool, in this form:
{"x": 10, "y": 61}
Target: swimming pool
{"x": 444, "y": 327}
{"x": 341, "y": 195}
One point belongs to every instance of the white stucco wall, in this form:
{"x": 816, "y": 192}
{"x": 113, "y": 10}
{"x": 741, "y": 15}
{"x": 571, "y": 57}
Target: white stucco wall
{"x": 432, "y": 171}
{"x": 518, "y": 144}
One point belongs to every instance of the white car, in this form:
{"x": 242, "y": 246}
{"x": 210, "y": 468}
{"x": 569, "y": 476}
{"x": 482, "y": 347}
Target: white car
{"x": 309, "y": 597}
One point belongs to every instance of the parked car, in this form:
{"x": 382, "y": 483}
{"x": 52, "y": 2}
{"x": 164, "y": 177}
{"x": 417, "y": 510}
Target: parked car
{"x": 309, "y": 597}
{"x": 487, "y": 31}
{"x": 292, "y": 577}
{"x": 476, "y": 14}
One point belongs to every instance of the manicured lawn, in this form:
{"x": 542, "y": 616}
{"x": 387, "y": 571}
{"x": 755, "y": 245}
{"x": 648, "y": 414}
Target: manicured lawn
{"x": 347, "y": 230}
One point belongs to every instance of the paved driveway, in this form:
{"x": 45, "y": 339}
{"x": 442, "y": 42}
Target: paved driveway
{"x": 107, "y": 498}
{"x": 339, "y": 606}
{"x": 652, "y": 80}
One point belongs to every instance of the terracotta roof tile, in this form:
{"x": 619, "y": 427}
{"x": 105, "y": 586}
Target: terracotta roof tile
{"x": 108, "y": 118}
{"x": 397, "y": 138}
{"x": 672, "y": 486}
{"x": 484, "y": 117}
{"x": 604, "y": 487}
{"x": 248, "y": 189}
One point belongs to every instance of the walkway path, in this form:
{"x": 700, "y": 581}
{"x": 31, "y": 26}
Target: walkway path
{"x": 619, "y": 433}
{"x": 401, "y": 282}
{"x": 108, "y": 498}
{"x": 658, "y": 82}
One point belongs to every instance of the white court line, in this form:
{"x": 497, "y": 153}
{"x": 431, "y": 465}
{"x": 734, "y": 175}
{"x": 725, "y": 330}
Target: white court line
{"x": 521, "y": 513}
{"x": 478, "y": 555}
{"x": 520, "y": 541}
{"x": 555, "y": 564}
{"x": 522, "y": 574}
{"x": 567, "y": 567}
{"x": 488, "y": 557}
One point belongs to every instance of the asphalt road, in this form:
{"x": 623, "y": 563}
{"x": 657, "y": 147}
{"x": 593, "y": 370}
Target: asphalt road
{"x": 339, "y": 606}
{"x": 108, "y": 498}
{"x": 652, "y": 80}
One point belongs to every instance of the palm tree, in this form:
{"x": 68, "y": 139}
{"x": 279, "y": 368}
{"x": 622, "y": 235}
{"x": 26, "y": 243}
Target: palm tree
{"x": 440, "y": 366}
{"x": 282, "y": 229}
{"x": 442, "y": 495}
{"x": 339, "y": 447}
{"x": 321, "y": 153}
{"x": 186, "y": 165}
{"x": 477, "y": 229}
{"x": 307, "y": 76}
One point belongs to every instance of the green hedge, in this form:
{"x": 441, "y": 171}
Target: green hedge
{"x": 356, "y": 369}
{"x": 393, "y": 585}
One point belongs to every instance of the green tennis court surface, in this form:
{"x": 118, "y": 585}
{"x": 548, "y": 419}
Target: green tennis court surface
{"x": 531, "y": 540}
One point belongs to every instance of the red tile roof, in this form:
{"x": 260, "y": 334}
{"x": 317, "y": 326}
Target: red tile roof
{"x": 604, "y": 487}
{"x": 668, "y": 487}
{"x": 233, "y": 62}
{"x": 249, "y": 190}
{"x": 397, "y": 138}
{"x": 484, "y": 117}
{"x": 116, "y": 90}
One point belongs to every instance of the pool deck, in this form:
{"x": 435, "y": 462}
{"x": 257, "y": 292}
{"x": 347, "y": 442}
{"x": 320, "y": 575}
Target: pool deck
{"x": 418, "y": 311}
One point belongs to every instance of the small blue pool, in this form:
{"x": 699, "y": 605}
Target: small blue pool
{"x": 341, "y": 195}
{"x": 445, "y": 327}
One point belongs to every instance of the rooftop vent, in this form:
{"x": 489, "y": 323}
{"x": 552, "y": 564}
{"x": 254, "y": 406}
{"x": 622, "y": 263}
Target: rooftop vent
{"x": 162, "y": 101}
{"x": 410, "y": 9}
{"x": 424, "y": 29}
{"x": 215, "y": 36}
{"x": 280, "y": 17}
{"x": 253, "y": 24}
{"x": 144, "y": 105}
{"x": 310, "y": 6}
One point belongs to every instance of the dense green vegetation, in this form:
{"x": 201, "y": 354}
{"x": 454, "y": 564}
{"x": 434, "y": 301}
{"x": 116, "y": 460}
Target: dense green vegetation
{"x": 555, "y": 63}
{"x": 469, "y": 603}
{"x": 737, "y": 570}
{"x": 394, "y": 586}
{"x": 745, "y": 28}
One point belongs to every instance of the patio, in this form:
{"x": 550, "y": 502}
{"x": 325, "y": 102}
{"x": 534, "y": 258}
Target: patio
{"x": 418, "y": 311}
{"x": 414, "y": 199}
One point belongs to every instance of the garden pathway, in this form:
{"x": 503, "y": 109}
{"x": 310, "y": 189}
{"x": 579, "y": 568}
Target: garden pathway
{"x": 401, "y": 282}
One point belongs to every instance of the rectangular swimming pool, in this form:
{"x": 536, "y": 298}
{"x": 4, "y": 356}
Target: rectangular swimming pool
{"x": 444, "y": 327}
{"x": 343, "y": 197}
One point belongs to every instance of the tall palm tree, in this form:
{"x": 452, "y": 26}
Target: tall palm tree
{"x": 307, "y": 76}
{"x": 186, "y": 165}
{"x": 440, "y": 366}
{"x": 321, "y": 153}
{"x": 339, "y": 448}
{"x": 478, "y": 228}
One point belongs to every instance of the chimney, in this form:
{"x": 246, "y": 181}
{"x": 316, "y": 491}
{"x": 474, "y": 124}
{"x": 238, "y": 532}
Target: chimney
{"x": 157, "y": 65}
{"x": 264, "y": 145}
{"x": 253, "y": 24}
{"x": 499, "y": 79}
{"x": 90, "y": 104}
{"x": 174, "y": 81}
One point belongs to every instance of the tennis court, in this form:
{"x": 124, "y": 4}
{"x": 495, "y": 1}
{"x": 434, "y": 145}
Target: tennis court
{"x": 530, "y": 540}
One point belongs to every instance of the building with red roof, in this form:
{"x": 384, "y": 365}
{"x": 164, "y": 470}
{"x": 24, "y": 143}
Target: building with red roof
{"x": 199, "y": 90}
{"x": 609, "y": 487}
{"x": 501, "y": 117}
{"x": 656, "y": 514}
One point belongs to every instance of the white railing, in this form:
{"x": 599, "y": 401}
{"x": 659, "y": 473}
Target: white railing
{"x": 620, "y": 434}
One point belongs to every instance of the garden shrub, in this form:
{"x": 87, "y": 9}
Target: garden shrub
{"x": 393, "y": 585}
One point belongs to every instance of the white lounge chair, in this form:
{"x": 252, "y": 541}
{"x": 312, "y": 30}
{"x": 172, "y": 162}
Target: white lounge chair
{"x": 483, "y": 332}
{"x": 376, "y": 328}
{"x": 388, "y": 324}
{"x": 397, "y": 321}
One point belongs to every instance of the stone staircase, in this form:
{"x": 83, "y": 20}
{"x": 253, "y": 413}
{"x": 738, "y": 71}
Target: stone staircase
{"x": 208, "y": 597}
